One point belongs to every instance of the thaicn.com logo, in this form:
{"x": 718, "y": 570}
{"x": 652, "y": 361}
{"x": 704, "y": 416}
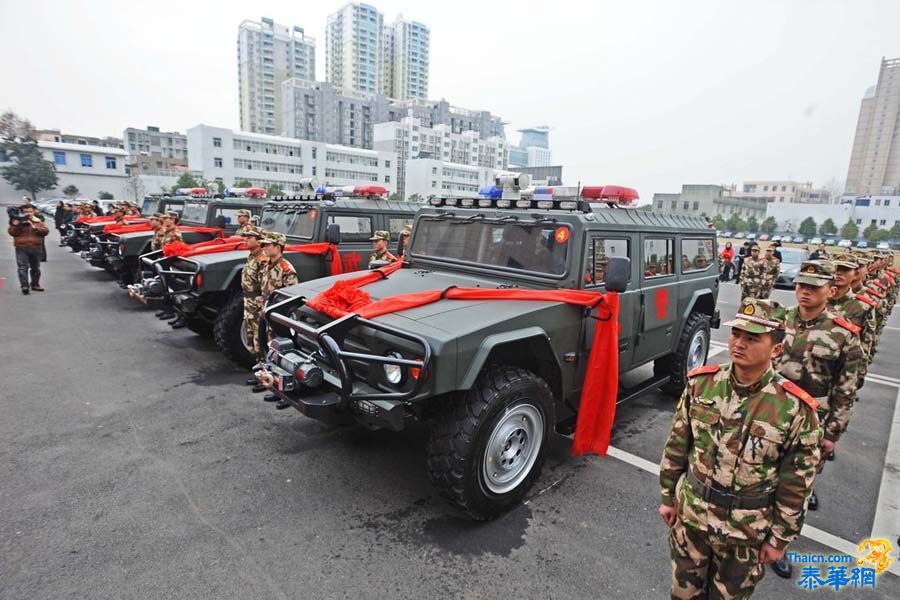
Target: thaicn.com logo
{"x": 839, "y": 571}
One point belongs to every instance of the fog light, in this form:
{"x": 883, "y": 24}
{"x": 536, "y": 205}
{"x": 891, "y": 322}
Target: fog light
{"x": 393, "y": 373}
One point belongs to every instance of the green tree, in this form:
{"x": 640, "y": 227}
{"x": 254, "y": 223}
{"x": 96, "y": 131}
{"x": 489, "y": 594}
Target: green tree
{"x": 220, "y": 187}
{"x": 395, "y": 197}
{"x": 735, "y": 223}
{"x": 105, "y": 196}
{"x": 850, "y": 231}
{"x": 871, "y": 232}
{"x": 28, "y": 171}
{"x": 186, "y": 180}
{"x": 807, "y": 227}
{"x": 718, "y": 222}
{"x": 70, "y": 191}
{"x": 828, "y": 227}
{"x": 14, "y": 128}
{"x": 769, "y": 225}
{"x": 243, "y": 183}
{"x": 416, "y": 198}
{"x": 752, "y": 224}
{"x": 274, "y": 190}
{"x": 895, "y": 231}
{"x": 882, "y": 235}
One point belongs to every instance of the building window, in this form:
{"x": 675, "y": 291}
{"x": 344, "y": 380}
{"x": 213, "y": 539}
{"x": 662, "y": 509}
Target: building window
{"x": 434, "y": 170}
{"x": 433, "y": 183}
{"x": 674, "y": 204}
{"x": 696, "y": 205}
{"x": 859, "y": 221}
{"x": 59, "y": 157}
{"x": 882, "y": 222}
{"x": 110, "y": 162}
{"x": 887, "y": 202}
{"x": 217, "y": 142}
{"x": 784, "y": 188}
{"x": 87, "y": 160}
{"x": 314, "y": 153}
{"x": 217, "y": 162}
{"x": 314, "y": 171}
{"x": 387, "y": 178}
{"x": 686, "y": 205}
{"x": 659, "y": 204}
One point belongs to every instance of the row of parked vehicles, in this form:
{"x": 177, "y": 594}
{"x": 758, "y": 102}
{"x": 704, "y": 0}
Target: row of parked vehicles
{"x": 494, "y": 370}
{"x": 799, "y": 239}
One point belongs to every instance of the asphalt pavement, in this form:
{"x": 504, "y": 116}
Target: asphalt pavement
{"x": 134, "y": 463}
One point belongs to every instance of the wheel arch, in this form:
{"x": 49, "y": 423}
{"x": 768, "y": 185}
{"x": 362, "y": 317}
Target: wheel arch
{"x": 702, "y": 301}
{"x": 527, "y": 348}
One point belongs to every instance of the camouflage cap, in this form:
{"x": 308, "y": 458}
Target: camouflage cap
{"x": 861, "y": 257}
{"x": 171, "y": 214}
{"x": 845, "y": 260}
{"x": 407, "y": 229}
{"x": 815, "y": 272}
{"x": 157, "y": 215}
{"x": 253, "y": 232}
{"x": 244, "y": 213}
{"x": 758, "y": 316}
{"x": 271, "y": 237}
{"x": 381, "y": 235}
{"x": 754, "y": 248}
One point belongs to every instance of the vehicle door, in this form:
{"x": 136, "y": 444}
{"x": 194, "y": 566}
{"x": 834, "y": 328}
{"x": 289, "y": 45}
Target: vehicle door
{"x": 658, "y": 300}
{"x": 356, "y": 230}
{"x": 598, "y": 247}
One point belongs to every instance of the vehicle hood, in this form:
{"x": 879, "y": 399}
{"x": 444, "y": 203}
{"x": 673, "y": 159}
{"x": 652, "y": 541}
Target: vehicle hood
{"x": 204, "y": 260}
{"x": 456, "y": 317}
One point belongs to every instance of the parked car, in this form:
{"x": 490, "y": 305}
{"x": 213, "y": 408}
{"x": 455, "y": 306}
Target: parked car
{"x": 776, "y": 238}
{"x": 740, "y": 235}
{"x": 751, "y": 236}
{"x": 830, "y": 242}
{"x": 845, "y": 244}
{"x": 862, "y": 244}
{"x": 726, "y": 234}
{"x": 764, "y": 237}
{"x": 883, "y": 246}
{"x": 798, "y": 239}
{"x": 815, "y": 241}
{"x": 790, "y": 265}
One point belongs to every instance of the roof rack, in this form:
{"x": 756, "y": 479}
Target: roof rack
{"x": 568, "y": 198}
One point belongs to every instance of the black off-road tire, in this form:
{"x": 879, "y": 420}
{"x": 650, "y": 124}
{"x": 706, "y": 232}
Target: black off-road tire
{"x": 675, "y": 365}
{"x": 461, "y": 433}
{"x": 199, "y": 326}
{"x": 227, "y": 331}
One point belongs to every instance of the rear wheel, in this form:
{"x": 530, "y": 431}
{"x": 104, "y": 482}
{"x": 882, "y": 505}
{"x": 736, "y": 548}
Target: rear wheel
{"x": 487, "y": 447}
{"x": 692, "y": 350}
{"x": 230, "y": 334}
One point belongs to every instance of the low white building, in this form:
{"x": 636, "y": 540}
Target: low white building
{"x": 265, "y": 160}
{"x": 92, "y": 169}
{"x": 881, "y": 211}
{"x": 429, "y": 177}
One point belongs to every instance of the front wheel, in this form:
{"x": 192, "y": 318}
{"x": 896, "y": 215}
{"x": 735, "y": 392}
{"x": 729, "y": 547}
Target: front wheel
{"x": 692, "y": 350}
{"x": 488, "y": 445}
{"x": 230, "y": 332}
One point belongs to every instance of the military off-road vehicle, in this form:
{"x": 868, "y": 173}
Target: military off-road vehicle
{"x": 206, "y": 289}
{"x": 495, "y": 378}
{"x": 204, "y": 212}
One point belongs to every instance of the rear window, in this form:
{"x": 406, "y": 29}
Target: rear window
{"x": 353, "y": 228}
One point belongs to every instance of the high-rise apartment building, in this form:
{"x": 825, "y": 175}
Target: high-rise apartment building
{"x": 354, "y": 48}
{"x": 533, "y": 149}
{"x": 406, "y": 59}
{"x": 875, "y": 159}
{"x": 268, "y": 54}
{"x": 363, "y": 54}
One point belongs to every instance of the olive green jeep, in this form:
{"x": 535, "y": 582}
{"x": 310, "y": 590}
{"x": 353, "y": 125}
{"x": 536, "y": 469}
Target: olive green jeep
{"x": 496, "y": 378}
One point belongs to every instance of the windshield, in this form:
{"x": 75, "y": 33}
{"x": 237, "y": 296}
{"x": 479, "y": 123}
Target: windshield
{"x": 305, "y": 224}
{"x": 540, "y": 248}
{"x": 793, "y": 257}
{"x": 195, "y": 212}
{"x": 276, "y": 220}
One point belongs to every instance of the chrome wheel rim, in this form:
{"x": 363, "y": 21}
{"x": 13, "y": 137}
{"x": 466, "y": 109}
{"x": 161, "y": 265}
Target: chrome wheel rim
{"x": 244, "y": 339}
{"x": 697, "y": 350}
{"x": 513, "y": 448}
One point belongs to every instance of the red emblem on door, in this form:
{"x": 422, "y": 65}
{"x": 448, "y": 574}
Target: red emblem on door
{"x": 662, "y": 304}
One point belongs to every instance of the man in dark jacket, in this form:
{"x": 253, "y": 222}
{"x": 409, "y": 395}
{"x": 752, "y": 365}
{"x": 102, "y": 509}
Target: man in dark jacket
{"x": 28, "y": 237}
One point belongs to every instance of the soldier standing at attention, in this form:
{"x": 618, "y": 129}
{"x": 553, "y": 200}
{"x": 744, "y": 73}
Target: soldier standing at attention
{"x": 380, "y": 242}
{"x": 169, "y": 229}
{"x": 770, "y": 273}
{"x": 251, "y": 286}
{"x": 243, "y": 218}
{"x": 739, "y": 463}
{"x": 277, "y": 273}
{"x": 856, "y": 308}
{"x": 156, "y": 223}
{"x": 822, "y": 354}
{"x": 752, "y": 272}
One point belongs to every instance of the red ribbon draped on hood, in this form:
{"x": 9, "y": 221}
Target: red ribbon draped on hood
{"x": 237, "y": 242}
{"x": 129, "y": 228}
{"x": 597, "y": 410}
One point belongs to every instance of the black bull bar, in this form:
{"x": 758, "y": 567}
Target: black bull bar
{"x": 331, "y": 337}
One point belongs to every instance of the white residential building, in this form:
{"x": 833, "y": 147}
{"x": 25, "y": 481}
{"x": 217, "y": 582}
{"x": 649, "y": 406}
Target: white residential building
{"x": 411, "y": 140}
{"x": 790, "y": 192}
{"x": 268, "y": 54}
{"x": 354, "y": 48}
{"x": 406, "y": 59}
{"x": 265, "y": 160}
{"x": 432, "y": 177}
{"x": 881, "y": 211}
{"x": 92, "y": 169}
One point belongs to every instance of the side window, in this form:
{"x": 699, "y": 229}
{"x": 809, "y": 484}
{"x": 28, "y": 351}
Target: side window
{"x": 226, "y": 217}
{"x": 658, "y": 257}
{"x": 696, "y": 254}
{"x": 598, "y": 251}
{"x": 353, "y": 228}
{"x": 396, "y": 224}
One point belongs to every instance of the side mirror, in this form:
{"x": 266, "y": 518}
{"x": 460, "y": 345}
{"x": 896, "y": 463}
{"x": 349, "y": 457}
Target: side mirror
{"x": 618, "y": 270}
{"x": 333, "y": 233}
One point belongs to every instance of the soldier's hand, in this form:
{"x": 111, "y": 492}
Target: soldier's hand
{"x": 15, "y": 222}
{"x": 769, "y": 554}
{"x": 668, "y": 514}
{"x": 827, "y": 447}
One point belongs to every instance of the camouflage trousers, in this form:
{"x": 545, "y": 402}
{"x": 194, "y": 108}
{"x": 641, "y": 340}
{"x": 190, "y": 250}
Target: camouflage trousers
{"x": 705, "y": 567}
{"x": 252, "y": 312}
{"x": 749, "y": 291}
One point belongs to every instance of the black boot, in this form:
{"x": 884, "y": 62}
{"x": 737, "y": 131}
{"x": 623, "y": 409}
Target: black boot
{"x": 813, "y": 502}
{"x": 282, "y": 405}
{"x": 26, "y": 290}
{"x": 169, "y": 314}
{"x": 251, "y": 381}
{"x": 270, "y": 398}
{"x": 258, "y": 388}
{"x": 832, "y": 455}
{"x": 782, "y": 568}
{"x": 178, "y": 323}
{"x": 161, "y": 313}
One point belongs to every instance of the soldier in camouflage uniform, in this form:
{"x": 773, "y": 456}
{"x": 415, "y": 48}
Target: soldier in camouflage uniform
{"x": 169, "y": 229}
{"x": 739, "y": 463}
{"x": 770, "y": 273}
{"x": 251, "y": 286}
{"x": 277, "y": 273}
{"x": 156, "y": 221}
{"x": 822, "y": 353}
{"x": 752, "y": 274}
{"x": 380, "y": 241}
{"x": 856, "y": 308}
{"x": 244, "y": 224}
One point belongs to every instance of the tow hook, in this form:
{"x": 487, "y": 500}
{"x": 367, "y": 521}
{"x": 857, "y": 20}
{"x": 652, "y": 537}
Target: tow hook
{"x": 265, "y": 378}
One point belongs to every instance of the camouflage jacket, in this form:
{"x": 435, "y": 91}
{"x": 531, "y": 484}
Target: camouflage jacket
{"x": 169, "y": 235}
{"x": 858, "y": 309}
{"x": 749, "y": 439}
{"x": 252, "y": 274}
{"x": 383, "y": 256}
{"x": 771, "y": 271}
{"x": 277, "y": 275}
{"x": 753, "y": 272}
{"x": 155, "y": 239}
{"x": 824, "y": 357}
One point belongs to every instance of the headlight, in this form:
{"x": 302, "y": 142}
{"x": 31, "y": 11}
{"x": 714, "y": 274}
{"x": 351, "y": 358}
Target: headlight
{"x": 393, "y": 373}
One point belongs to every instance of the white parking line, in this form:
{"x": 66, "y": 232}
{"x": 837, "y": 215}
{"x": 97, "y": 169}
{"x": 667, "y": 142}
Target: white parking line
{"x": 813, "y": 533}
{"x": 887, "y": 511}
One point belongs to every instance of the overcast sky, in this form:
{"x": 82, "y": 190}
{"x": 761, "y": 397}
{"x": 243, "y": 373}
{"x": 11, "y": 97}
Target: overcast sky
{"x": 647, "y": 94}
